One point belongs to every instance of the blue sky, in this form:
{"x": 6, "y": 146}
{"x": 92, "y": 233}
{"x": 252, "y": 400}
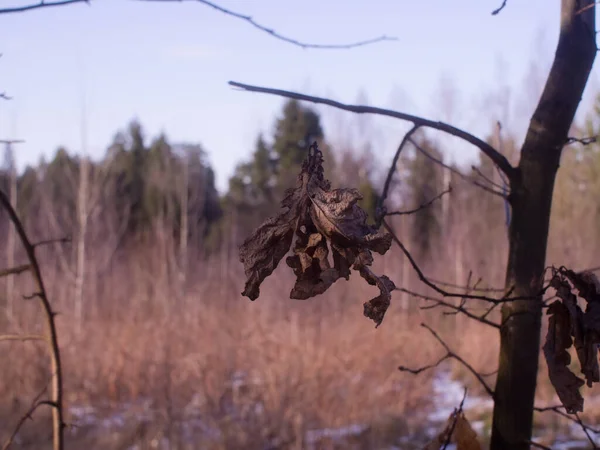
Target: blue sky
{"x": 168, "y": 65}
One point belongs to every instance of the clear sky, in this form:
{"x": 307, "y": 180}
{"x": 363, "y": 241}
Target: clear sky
{"x": 168, "y": 64}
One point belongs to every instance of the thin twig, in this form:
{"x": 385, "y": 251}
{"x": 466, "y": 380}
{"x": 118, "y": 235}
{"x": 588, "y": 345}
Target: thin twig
{"x": 458, "y": 286}
{"x": 421, "y": 206}
{"x": 585, "y": 8}
{"x": 4, "y": 96}
{"x": 557, "y": 410}
{"x": 582, "y": 425}
{"x": 391, "y": 171}
{"x": 52, "y": 337}
{"x": 281, "y": 37}
{"x": 457, "y": 412}
{"x": 22, "y": 337}
{"x": 455, "y": 171}
{"x": 35, "y": 404}
{"x": 63, "y": 240}
{"x": 506, "y": 298}
{"x": 485, "y": 177}
{"x": 449, "y": 354}
{"x": 486, "y": 148}
{"x": 583, "y": 141}
{"x": 41, "y": 4}
{"x": 457, "y": 309}
{"x": 500, "y": 8}
{"x": 15, "y": 270}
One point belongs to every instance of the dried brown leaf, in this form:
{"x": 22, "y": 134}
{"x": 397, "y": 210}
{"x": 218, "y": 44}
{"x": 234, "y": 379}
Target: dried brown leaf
{"x": 558, "y": 341}
{"x": 462, "y": 434}
{"x": 324, "y": 222}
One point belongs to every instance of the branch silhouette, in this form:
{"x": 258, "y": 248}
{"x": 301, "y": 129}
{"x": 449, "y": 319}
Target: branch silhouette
{"x": 281, "y": 37}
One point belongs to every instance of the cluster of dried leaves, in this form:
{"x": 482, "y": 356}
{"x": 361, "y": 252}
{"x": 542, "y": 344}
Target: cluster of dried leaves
{"x": 322, "y": 221}
{"x": 568, "y": 325}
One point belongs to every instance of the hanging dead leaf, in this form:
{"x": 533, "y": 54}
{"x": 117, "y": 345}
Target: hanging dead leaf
{"x": 568, "y": 325}
{"x": 558, "y": 341}
{"x": 323, "y": 221}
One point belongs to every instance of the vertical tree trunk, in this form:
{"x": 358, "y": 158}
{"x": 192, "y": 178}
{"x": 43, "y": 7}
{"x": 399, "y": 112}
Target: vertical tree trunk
{"x": 531, "y": 199}
{"x": 10, "y": 239}
{"x": 82, "y": 222}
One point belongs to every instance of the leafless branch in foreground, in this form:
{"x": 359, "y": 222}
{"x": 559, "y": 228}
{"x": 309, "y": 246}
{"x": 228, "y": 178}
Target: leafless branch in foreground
{"x": 498, "y": 159}
{"x": 500, "y": 8}
{"x": 22, "y": 337}
{"x": 279, "y": 36}
{"x": 455, "y": 308}
{"x": 41, "y": 4}
{"x": 56, "y": 394}
{"x": 449, "y": 355}
{"x": 388, "y": 180}
{"x": 582, "y": 141}
{"x": 15, "y": 270}
{"x": 457, "y": 412}
{"x": 4, "y": 96}
{"x": 63, "y": 240}
{"x": 586, "y": 428}
{"x": 421, "y": 206}
{"x": 35, "y": 404}
{"x": 455, "y": 171}
{"x": 504, "y": 299}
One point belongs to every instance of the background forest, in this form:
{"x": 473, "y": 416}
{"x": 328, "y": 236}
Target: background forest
{"x": 160, "y": 349}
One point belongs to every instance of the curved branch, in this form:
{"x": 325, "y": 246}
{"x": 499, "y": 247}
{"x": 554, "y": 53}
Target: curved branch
{"x": 57, "y": 387}
{"x": 281, "y": 37}
{"x": 498, "y": 159}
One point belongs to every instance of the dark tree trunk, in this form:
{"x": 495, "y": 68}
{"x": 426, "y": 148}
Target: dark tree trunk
{"x": 531, "y": 200}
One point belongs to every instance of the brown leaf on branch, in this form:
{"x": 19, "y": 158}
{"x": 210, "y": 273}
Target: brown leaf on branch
{"x": 569, "y": 325}
{"x": 462, "y": 434}
{"x": 558, "y": 341}
{"x": 323, "y": 221}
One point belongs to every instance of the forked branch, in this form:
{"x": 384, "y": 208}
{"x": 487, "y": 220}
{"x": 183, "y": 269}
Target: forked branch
{"x": 449, "y": 355}
{"x": 498, "y": 159}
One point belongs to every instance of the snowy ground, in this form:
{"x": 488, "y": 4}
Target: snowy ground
{"x": 448, "y": 395}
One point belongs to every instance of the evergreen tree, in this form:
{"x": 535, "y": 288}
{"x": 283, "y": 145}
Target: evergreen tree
{"x": 424, "y": 182}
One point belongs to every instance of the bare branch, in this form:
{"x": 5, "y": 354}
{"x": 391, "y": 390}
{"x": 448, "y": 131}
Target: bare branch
{"x": 455, "y": 171}
{"x": 582, "y": 141}
{"x": 425, "y": 280}
{"x": 486, "y": 178}
{"x": 421, "y": 206}
{"x": 449, "y": 354}
{"x": 63, "y": 240}
{"x": 557, "y": 409}
{"x": 486, "y": 148}
{"x": 41, "y": 4}
{"x": 281, "y": 37}
{"x": 15, "y": 270}
{"x": 585, "y": 430}
{"x": 500, "y": 8}
{"x": 22, "y": 338}
{"x": 35, "y": 404}
{"x": 388, "y": 179}
{"x": 4, "y": 96}
{"x": 456, "y": 413}
{"x": 457, "y": 309}
{"x": 52, "y": 337}
{"x": 585, "y": 8}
